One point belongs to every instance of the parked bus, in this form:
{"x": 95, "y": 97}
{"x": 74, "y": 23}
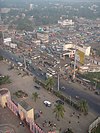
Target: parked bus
{"x": 48, "y": 75}
{"x": 51, "y": 71}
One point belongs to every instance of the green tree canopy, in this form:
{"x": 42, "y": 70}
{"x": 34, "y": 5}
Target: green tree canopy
{"x": 59, "y": 111}
{"x": 50, "y": 83}
{"x": 83, "y": 105}
{"x": 24, "y": 24}
{"x": 35, "y": 96}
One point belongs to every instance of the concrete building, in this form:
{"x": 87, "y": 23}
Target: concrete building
{"x": 89, "y": 68}
{"x": 37, "y": 42}
{"x": 83, "y": 48}
{"x": 95, "y": 61}
{"x": 31, "y": 6}
{"x": 5, "y": 10}
{"x": 13, "y": 45}
{"x": 7, "y": 42}
{"x": 43, "y": 36}
{"x": 65, "y": 22}
{"x": 26, "y": 112}
{"x": 4, "y": 95}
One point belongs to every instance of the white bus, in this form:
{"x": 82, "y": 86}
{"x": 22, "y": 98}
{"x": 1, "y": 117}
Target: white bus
{"x": 48, "y": 75}
{"x": 51, "y": 71}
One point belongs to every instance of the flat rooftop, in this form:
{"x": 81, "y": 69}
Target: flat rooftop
{"x": 25, "y": 105}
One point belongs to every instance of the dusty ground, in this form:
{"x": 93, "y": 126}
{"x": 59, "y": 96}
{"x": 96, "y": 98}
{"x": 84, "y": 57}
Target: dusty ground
{"x": 26, "y": 84}
{"x": 9, "y": 122}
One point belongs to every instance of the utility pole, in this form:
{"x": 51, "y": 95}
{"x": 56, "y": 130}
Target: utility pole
{"x": 59, "y": 69}
{"x": 58, "y": 81}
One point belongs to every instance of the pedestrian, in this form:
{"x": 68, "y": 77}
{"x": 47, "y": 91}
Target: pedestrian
{"x": 78, "y": 116}
{"x": 23, "y": 124}
{"x": 60, "y": 129}
{"x": 43, "y": 124}
{"x": 49, "y": 122}
{"x": 45, "y": 121}
{"x": 73, "y": 113}
{"x": 40, "y": 112}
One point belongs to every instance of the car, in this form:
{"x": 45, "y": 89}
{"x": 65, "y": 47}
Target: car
{"x": 37, "y": 87}
{"x": 36, "y": 115}
{"x": 47, "y": 103}
{"x": 60, "y": 102}
{"x": 62, "y": 88}
{"x": 77, "y": 97}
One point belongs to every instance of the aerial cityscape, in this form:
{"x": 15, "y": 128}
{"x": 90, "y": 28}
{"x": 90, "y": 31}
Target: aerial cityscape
{"x": 49, "y": 66}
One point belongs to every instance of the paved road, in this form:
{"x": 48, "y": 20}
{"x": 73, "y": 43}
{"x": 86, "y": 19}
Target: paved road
{"x": 94, "y": 102}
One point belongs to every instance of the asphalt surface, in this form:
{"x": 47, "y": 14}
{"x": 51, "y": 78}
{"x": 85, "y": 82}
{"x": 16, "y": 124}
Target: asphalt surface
{"x": 94, "y": 102}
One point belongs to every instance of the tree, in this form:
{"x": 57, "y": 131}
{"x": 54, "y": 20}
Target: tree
{"x": 1, "y": 58}
{"x": 59, "y": 111}
{"x": 83, "y": 106}
{"x": 69, "y": 131}
{"x": 24, "y": 24}
{"x": 49, "y": 83}
{"x": 4, "y": 80}
{"x": 35, "y": 96}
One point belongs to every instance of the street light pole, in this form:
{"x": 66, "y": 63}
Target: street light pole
{"x": 24, "y": 62}
{"x": 74, "y": 64}
{"x": 70, "y": 98}
{"x": 95, "y": 85}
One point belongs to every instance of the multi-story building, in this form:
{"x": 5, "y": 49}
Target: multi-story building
{"x": 83, "y": 48}
{"x": 43, "y": 36}
{"x": 65, "y": 22}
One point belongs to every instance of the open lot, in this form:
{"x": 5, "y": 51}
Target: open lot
{"x": 78, "y": 125}
{"x": 10, "y": 122}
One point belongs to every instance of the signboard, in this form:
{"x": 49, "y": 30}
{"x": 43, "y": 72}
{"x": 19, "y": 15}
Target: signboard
{"x": 80, "y": 56}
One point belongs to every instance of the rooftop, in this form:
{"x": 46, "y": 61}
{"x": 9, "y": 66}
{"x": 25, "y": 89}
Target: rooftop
{"x": 3, "y": 91}
{"x": 25, "y": 105}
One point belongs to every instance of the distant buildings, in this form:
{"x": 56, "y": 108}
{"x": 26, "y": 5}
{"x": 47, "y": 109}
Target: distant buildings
{"x": 5, "y": 10}
{"x": 7, "y": 42}
{"x": 83, "y": 48}
{"x": 31, "y": 7}
{"x": 65, "y": 22}
{"x": 37, "y": 42}
{"x": 43, "y": 36}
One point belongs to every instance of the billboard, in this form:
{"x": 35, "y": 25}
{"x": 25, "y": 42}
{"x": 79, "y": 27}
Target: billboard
{"x": 80, "y": 56}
